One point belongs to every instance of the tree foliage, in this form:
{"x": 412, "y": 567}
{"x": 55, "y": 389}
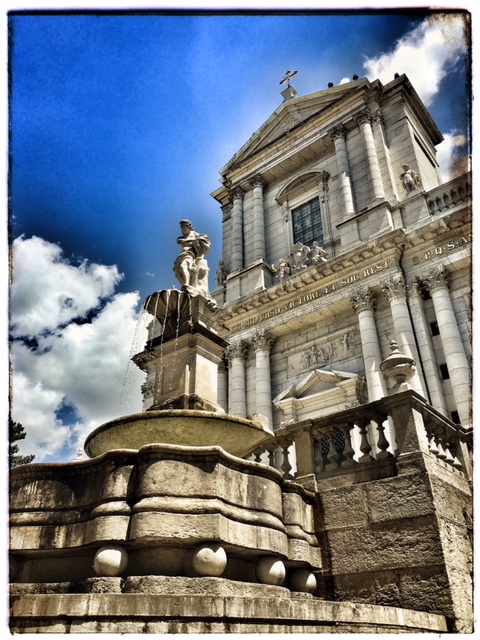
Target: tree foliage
{"x": 16, "y": 432}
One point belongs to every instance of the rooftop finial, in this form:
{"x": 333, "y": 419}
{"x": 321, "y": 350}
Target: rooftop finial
{"x": 287, "y": 77}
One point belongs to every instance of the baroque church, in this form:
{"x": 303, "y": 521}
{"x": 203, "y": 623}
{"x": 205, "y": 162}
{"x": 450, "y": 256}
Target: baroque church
{"x": 341, "y": 326}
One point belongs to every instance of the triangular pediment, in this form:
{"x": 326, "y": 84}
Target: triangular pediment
{"x": 289, "y": 115}
{"x": 315, "y": 382}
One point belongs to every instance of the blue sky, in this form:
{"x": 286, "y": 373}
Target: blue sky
{"x": 119, "y": 125}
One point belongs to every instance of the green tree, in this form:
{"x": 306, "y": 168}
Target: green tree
{"x": 16, "y": 432}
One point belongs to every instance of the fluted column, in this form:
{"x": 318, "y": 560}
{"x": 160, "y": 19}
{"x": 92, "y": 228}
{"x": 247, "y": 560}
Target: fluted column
{"x": 455, "y": 357}
{"x": 395, "y": 290}
{"x": 258, "y": 218}
{"x": 236, "y": 354}
{"x": 237, "y": 229}
{"x": 339, "y": 136}
{"x": 263, "y": 343}
{"x": 364, "y": 121}
{"x": 362, "y": 302}
{"x": 427, "y": 352}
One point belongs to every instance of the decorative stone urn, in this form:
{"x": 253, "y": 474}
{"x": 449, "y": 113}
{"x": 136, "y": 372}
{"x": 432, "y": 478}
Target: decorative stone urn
{"x": 399, "y": 368}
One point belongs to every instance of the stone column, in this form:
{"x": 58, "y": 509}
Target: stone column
{"x": 362, "y": 302}
{"x": 395, "y": 290}
{"x": 263, "y": 343}
{"x": 258, "y": 218}
{"x": 222, "y": 391}
{"x": 237, "y": 230}
{"x": 425, "y": 346}
{"x": 383, "y": 153}
{"x": 236, "y": 354}
{"x": 456, "y": 360}
{"x": 339, "y": 136}
{"x": 364, "y": 121}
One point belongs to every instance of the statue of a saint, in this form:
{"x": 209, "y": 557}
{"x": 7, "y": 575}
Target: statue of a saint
{"x": 191, "y": 268}
{"x": 410, "y": 179}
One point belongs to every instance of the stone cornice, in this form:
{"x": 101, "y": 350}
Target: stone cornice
{"x": 304, "y": 292}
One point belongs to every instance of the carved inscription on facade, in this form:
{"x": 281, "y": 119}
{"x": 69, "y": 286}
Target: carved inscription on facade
{"x": 441, "y": 250}
{"x": 316, "y": 293}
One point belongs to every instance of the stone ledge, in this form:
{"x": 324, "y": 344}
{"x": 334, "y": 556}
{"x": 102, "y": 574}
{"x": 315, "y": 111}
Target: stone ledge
{"x": 270, "y": 610}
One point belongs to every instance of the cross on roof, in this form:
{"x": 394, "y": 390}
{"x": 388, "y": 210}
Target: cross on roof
{"x": 287, "y": 77}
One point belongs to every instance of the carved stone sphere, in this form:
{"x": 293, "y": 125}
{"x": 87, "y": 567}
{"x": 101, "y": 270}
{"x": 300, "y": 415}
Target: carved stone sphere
{"x": 270, "y": 570}
{"x": 303, "y": 580}
{"x": 110, "y": 561}
{"x": 210, "y": 560}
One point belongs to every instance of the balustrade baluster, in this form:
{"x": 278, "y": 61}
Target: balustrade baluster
{"x": 271, "y": 456}
{"x": 286, "y": 466}
{"x": 348, "y": 450}
{"x": 365, "y": 447}
{"x": 332, "y": 453}
{"x": 382, "y": 442}
{"x": 258, "y": 454}
{"x": 431, "y": 207}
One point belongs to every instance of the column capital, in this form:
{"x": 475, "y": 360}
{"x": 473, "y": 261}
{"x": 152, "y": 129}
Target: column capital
{"x": 377, "y": 116}
{"x": 435, "y": 278}
{"x": 257, "y": 181}
{"x": 364, "y": 117}
{"x": 394, "y": 287}
{"x": 237, "y": 350}
{"x": 237, "y": 193}
{"x": 338, "y": 132}
{"x": 362, "y": 300}
{"x": 262, "y": 341}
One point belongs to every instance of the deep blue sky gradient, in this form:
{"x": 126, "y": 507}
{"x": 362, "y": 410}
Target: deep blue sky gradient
{"x": 119, "y": 124}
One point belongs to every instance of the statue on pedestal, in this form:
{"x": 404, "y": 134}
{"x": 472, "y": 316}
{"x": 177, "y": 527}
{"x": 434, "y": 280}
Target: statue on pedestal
{"x": 191, "y": 268}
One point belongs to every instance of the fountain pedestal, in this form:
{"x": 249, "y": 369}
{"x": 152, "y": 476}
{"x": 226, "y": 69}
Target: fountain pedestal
{"x": 182, "y": 363}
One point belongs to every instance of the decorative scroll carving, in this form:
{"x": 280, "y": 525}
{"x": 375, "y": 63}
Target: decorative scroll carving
{"x": 236, "y": 350}
{"x": 435, "y": 278}
{"x": 258, "y": 181}
{"x": 394, "y": 287}
{"x": 364, "y": 117}
{"x": 338, "y": 132}
{"x": 262, "y": 341}
{"x": 237, "y": 193}
{"x": 362, "y": 299}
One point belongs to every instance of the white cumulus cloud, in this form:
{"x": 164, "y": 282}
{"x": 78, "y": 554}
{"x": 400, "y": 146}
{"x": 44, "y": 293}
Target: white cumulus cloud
{"x": 72, "y": 339}
{"x": 425, "y": 54}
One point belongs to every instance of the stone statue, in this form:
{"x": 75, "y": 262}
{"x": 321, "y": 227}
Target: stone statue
{"x": 410, "y": 179}
{"x": 191, "y": 268}
{"x": 317, "y": 254}
{"x": 283, "y": 270}
{"x": 298, "y": 257}
{"x": 221, "y": 274}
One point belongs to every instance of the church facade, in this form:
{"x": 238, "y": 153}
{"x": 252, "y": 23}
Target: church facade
{"x": 340, "y": 238}
{"x": 345, "y": 253}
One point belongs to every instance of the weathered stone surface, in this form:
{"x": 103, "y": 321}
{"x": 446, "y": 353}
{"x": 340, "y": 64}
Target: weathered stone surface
{"x": 124, "y": 613}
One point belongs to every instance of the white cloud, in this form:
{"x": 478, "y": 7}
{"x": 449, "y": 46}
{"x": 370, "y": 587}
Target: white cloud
{"x": 452, "y": 149}
{"x": 425, "y": 55}
{"x": 79, "y": 365}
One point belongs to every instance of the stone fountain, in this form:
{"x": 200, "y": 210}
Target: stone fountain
{"x": 166, "y": 527}
{"x": 182, "y": 367}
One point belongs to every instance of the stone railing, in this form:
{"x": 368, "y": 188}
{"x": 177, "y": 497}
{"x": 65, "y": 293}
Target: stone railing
{"x": 449, "y": 195}
{"x": 368, "y": 442}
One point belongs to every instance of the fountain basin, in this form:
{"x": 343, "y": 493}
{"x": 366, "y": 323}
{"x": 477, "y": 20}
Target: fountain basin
{"x": 237, "y": 436}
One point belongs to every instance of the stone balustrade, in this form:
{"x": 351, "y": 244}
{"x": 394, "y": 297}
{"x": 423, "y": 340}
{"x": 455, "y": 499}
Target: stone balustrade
{"x": 368, "y": 442}
{"x": 449, "y": 195}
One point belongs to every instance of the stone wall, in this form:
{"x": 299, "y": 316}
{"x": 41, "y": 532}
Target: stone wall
{"x": 400, "y": 541}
